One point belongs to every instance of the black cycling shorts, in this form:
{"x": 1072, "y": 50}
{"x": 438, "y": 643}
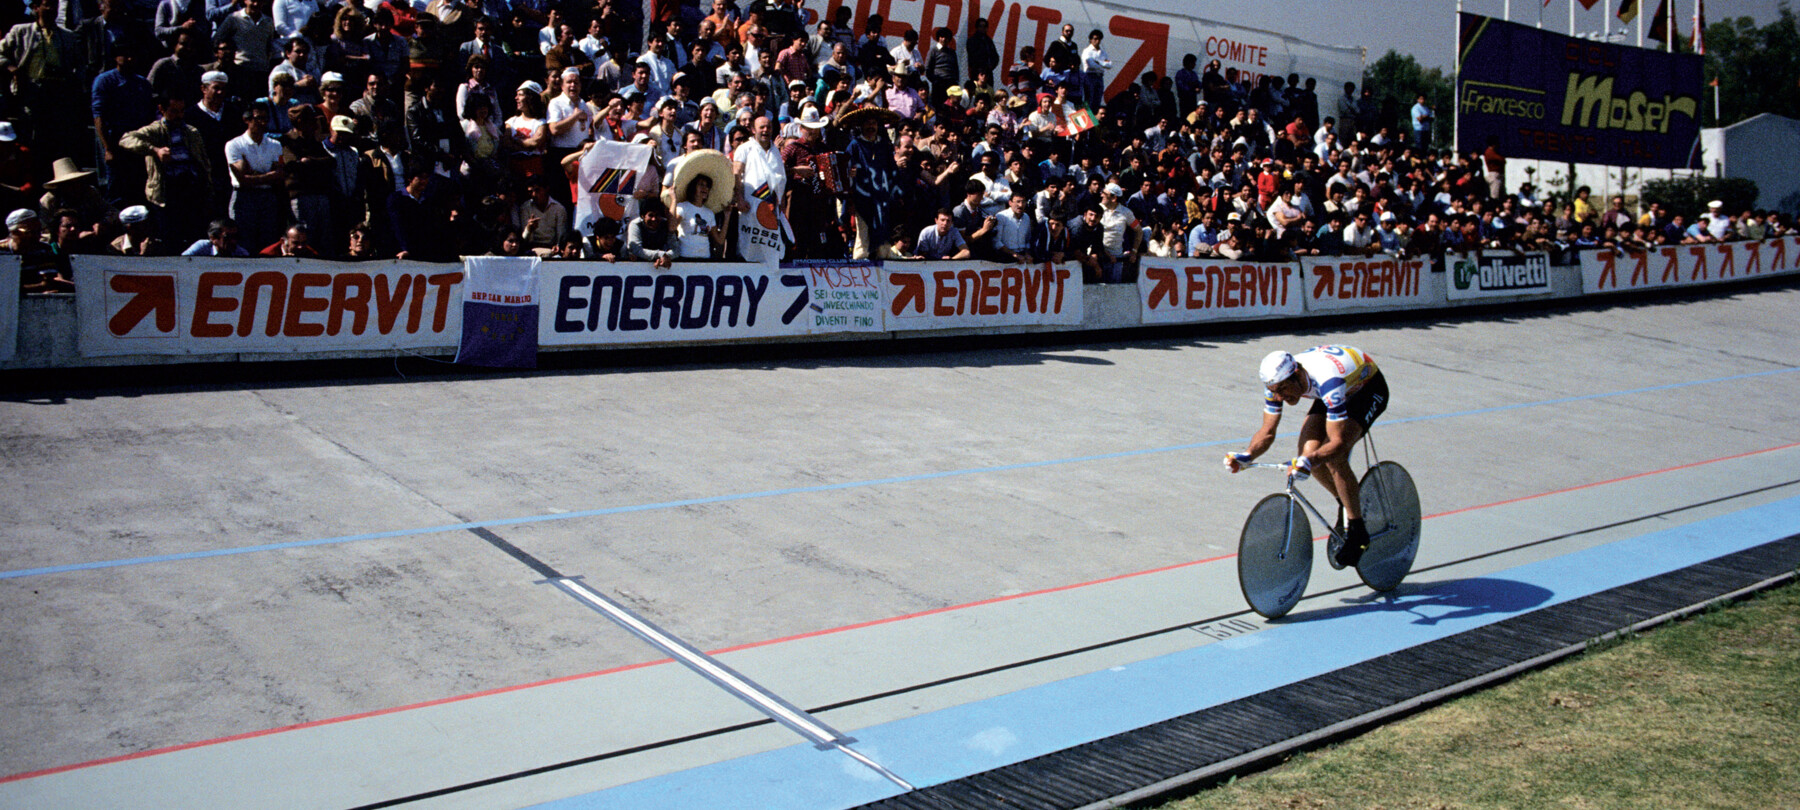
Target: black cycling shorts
{"x": 1366, "y": 405}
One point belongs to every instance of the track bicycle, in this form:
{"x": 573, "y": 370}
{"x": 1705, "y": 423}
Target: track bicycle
{"x": 1275, "y": 550}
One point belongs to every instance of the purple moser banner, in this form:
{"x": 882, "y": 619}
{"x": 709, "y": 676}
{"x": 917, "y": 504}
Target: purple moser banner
{"x": 1536, "y": 95}
{"x": 500, "y": 312}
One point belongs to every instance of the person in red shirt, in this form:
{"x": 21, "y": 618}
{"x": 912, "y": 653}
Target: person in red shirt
{"x": 292, "y": 245}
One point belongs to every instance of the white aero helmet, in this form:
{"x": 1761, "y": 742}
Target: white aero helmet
{"x": 1276, "y": 367}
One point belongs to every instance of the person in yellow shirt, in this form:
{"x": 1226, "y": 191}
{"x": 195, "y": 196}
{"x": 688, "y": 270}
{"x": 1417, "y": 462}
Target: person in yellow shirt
{"x": 1584, "y": 207}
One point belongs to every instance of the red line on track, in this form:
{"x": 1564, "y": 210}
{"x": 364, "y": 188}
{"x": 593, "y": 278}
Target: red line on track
{"x": 813, "y": 634}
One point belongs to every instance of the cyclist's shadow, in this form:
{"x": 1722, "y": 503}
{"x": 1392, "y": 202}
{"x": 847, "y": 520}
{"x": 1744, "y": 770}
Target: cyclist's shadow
{"x": 1441, "y": 601}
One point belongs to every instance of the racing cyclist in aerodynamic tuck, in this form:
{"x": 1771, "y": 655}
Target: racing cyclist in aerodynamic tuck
{"x": 1351, "y": 395}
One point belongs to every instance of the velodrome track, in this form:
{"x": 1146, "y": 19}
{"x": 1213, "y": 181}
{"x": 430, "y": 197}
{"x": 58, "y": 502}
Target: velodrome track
{"x": 343, "y": 593}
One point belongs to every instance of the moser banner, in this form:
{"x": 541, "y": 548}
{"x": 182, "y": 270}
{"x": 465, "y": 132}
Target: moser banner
{"x": 597, "y": 302}
{"x": 1375, "y": 282}
{"x": 1139, "y": 37}
{"x": 1544, "y": 96}
{"x": 846, "y": 295}
{"x": 222, "y": 306}
{"x": 954, "y": 295}
{"x": 9, "y": 307}
{"x": 1194, "y": 290}
{"x": 1687, "y": 265}
{"x": 1493, "y": 275}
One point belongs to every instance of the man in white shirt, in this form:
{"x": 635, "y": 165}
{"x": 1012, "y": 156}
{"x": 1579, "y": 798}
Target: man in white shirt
{"x": 1715, "y": 220}
{"x": 1119, "y": 233}
{"x": 567, "y": 116}
{"x": 998, "y": 189}
{"x": 1283, "y": 213}
{"x": 258, "y": 181}
{"x": 906, "y": 54}
{"x": 662, "y": 71}
{"x": 762, "y": 181}
{"x": 306, "y": 81}
{"x": 1360, "y": 237}
{"x": 291, "y": 16}
{"x": 593, "y": 43}
{"x": 1013, "y": 229}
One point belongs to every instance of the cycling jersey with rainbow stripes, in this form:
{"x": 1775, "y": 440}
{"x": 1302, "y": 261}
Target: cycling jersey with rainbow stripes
{"x": 1334, "y": 372}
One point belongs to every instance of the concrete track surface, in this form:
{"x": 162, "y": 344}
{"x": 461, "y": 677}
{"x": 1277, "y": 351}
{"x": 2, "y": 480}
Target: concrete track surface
{"x": 334, "y": 593}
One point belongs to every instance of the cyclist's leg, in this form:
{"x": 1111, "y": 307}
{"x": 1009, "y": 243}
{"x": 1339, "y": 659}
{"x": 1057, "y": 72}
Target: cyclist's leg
{"x": 1334, "y": 472}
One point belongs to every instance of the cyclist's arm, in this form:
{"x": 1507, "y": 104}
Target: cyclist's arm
{"x": 1265, "y": 435}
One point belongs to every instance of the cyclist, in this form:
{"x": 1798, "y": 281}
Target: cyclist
{"x": 1351, "y": 395}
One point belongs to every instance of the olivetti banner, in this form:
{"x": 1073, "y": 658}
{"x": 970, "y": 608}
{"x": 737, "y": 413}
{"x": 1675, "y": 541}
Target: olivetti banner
{"x": 1545, "y": 96}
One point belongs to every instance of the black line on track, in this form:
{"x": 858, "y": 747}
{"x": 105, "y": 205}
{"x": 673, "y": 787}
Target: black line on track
{"x": 541, "y": 568}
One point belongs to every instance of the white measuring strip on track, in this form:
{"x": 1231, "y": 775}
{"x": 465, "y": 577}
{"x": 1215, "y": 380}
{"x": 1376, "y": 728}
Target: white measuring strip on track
{"x": 732, "y": 681}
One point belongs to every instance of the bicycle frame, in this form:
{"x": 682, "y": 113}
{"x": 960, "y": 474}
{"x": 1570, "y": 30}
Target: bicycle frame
{"x": 1370, "y": 459}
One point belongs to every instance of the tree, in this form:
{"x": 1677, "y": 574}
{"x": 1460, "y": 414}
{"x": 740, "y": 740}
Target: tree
{"x": 1397, "y": 80}
{"x": 1758, "y": 69}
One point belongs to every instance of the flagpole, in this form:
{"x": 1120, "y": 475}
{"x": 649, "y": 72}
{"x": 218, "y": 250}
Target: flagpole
{"x": 1640, "y": 23}
{"x": 1455, "y": 77}
{"x": 1571, "y": 17}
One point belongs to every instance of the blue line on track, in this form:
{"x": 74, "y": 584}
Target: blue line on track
{"x": 744, "y": 496}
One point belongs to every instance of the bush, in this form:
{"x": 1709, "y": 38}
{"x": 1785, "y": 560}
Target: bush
{"x": 1688, "y": 196}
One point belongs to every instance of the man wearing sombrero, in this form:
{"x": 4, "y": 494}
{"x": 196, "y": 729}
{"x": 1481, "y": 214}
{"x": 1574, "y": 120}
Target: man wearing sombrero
{"x": 71, "y": 187}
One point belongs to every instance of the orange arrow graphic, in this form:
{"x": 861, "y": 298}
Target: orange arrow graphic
{"x": 150, "y": 294}
{"x": 1327, "y": 273}
{"x": 1155, "y": 49}
{"x": 1165, "y": 285}
{"x": 912, "y": 289}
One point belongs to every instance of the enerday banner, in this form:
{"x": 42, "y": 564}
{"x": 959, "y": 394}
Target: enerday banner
{"x": 587, "y": 303}
{"x": 957, "y": 295}
{"x": 1195, "y": 290}
{"x": 1494, "y": 275}
{"x": 9, "y": 306}
{"x": 1605, "y": 271}
{"x": 1375, "y": 282}
{"x": 1140, "y": 37}
{"x": 1545, "y": 96}
{"x": 196, "y": 305}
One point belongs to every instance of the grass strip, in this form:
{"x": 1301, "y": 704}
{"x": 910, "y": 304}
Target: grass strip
{"x": 1703, "y": 713}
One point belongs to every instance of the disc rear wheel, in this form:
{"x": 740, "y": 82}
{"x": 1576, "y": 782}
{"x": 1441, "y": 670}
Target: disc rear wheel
{"x": 1390, "y": 506}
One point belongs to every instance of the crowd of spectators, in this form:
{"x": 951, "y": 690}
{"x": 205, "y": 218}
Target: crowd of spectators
{"x": 359, "y": 129}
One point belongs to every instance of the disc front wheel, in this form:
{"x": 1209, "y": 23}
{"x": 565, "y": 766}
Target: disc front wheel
{"x": 1275, "y": 556}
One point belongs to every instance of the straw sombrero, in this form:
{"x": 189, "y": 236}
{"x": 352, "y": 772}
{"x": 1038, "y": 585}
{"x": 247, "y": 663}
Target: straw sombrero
{"x": 711, "y": 163}
{"x": 854, "y": 119}
{"x": 65, "y": 171}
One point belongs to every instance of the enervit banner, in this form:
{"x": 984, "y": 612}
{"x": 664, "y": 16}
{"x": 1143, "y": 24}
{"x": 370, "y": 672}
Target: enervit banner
{"x": 1375, "y": 282}
{"x": 1194, "y": 290}
{"x": 1140, "y": 37}
{"x": 9, "y": 306}
{"x": 1550, "y": 97}
{"x": 1494, "y": 275}
{"x": 222, "y": 306}
{"x": 597, "y": 302}
{"x": 955, "y": 295}
{"x": 1605, "y": 271}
